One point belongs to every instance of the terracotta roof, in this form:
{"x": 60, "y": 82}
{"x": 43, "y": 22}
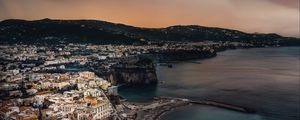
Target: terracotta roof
{"x": 42, "y": 92}
{"x": 5, "y": 109}
{"x": 90, "y": 98}
{"x": 23, "y": 108}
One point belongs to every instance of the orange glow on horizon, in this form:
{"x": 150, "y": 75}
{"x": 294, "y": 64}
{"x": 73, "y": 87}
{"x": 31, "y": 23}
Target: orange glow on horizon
{"x": 267, "y": 16}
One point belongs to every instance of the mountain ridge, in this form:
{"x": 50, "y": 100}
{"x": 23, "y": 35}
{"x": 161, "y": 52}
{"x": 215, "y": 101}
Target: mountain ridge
{"x": 103, "y": 32}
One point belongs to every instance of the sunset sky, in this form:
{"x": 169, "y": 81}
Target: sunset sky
{"x": 267, "y": 16}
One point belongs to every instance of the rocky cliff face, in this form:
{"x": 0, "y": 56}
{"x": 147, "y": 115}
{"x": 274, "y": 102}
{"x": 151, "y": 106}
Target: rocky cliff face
{"x": 141, "y": 70}
{"x": 134, "y": 71}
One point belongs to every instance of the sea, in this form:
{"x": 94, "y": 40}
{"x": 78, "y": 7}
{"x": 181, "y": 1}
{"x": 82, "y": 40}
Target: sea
{"x": 263, "y": 79}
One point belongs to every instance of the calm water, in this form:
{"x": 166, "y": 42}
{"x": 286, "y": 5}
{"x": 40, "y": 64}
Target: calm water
{"x": 265, "y": 79}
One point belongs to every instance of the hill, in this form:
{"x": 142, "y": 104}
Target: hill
{"x": 101, "y": 32}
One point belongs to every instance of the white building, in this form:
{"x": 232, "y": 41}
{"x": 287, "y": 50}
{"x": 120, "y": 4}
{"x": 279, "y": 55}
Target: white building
{"x": 87, "y": 75}
{"x": 93, "y": 93}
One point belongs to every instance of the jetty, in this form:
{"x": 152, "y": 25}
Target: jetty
{"x": 224, "y": 105}
{"x": 214, "y": 104}
{"x": 161, "y": 105}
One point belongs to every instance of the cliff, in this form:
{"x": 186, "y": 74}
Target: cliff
{"x": 138, "y": 70}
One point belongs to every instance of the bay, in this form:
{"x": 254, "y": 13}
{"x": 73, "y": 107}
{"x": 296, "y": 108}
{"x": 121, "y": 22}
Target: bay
{"x": 264, "y": 79}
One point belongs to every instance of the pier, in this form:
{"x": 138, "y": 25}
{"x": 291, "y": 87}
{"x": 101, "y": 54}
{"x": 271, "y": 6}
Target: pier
{"x": 161, "y": 105}
{"x": 224, "y": 105}
{"x": 214, "y": 104}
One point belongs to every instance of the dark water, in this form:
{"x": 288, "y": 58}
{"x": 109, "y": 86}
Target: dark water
{"x": 265, "y": 79}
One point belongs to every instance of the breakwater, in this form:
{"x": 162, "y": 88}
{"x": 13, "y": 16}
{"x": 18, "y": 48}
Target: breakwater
{"x": 224, "y": 105}
{"x": 215, "y": 104}
{"x": 162, "y": 105}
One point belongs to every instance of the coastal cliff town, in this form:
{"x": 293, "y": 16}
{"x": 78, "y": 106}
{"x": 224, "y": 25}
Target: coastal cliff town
{"x": 80, "y": 81}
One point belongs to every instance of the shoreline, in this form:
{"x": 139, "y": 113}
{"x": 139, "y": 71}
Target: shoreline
{"x": 160, "y": 106}
{"x": 158, "y": 117}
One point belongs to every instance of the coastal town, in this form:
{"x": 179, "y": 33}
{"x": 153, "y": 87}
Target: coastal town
{"x": 149, "y": 59}
{"x": 80, "y": 81}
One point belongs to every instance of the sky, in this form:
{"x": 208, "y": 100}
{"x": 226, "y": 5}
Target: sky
{"x": 264, "y": 16}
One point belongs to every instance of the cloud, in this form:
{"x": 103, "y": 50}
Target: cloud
{"x": 287, "y": 3}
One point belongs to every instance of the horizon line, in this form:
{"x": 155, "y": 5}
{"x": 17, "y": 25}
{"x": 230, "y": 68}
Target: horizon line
{"x": 113, "y": 22}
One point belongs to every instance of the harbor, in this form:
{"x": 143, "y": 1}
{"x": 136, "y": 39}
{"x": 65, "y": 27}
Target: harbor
{"x": 162, "y": 105}
{"x": 196, "y": 82}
